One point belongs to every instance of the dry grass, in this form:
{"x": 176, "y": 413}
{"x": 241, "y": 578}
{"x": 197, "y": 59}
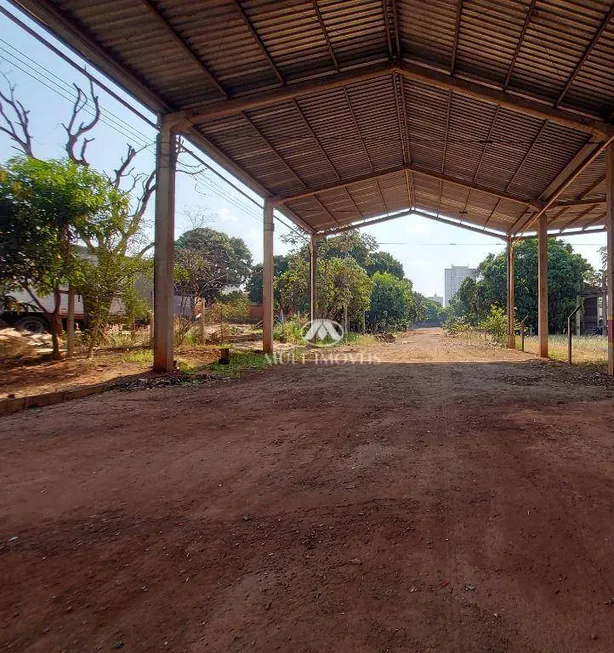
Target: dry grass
{"x": 588, "y": 351}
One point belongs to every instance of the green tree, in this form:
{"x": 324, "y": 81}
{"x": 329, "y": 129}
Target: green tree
{"x": 343, "y": 288}
{"x": 567, "y": 272}
{"x": 254, "y": 283}
{"x": 354, "y": 244}
{"x": 384, "y": 262}
{"x": 466, "y": 303}
{"x": 210, "y": 261}
{"x": 392, "y": 302}
{"x": 45, "y": 207}
{"x": 428, "y": 310}
{"x": 113, "y": 237}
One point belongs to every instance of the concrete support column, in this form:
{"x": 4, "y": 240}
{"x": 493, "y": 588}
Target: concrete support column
{"x": 542, "y": 286}
{"x": 609, "y": 221}
{"x": 511, "y": 299}
{"x": 267, "y": 279}
{"x": 313, "y": 266}
{"x": 166, "y": 161}
{"x": 70, "y": 323}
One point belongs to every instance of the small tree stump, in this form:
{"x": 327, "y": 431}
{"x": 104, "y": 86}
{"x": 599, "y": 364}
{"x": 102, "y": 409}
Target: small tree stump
{"x": 224, "y": 356}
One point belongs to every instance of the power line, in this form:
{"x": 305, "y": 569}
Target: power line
{"x": 57, "y": 85}
{"x": 74, "y": 64}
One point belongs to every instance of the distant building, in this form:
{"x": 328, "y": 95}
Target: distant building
{"x": 437, "y": 299}
{"x": 454, "y": 278}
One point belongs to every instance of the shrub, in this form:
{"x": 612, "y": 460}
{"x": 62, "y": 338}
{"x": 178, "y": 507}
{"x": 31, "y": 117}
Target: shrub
{"x": 235, "y": 307}
{"x": 455, "y": 326}
{"x": 495, "y": 324}
{"x": 290, "y": 330}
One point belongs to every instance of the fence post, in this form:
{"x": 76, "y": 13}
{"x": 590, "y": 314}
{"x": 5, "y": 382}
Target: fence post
{"x": 202, "y": 321}
{"x": 569, "y": 319}
{"x": 522, "y": 331}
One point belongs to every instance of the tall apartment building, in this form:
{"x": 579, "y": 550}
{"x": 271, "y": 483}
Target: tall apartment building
{"x": 455, "y": 276}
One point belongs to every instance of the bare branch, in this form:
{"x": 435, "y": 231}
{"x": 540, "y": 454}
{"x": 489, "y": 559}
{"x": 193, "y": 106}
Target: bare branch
{"x": 123, "y": 171}
{"x": 149, "y": 188}
{"x": 144, "y": 251}
{"x": 186, "y": 169}
{"x": 18, "y": 128}
{"x": 74, "y": 133}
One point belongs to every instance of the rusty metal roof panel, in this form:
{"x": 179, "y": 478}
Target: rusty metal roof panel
{"x": 291, "y": 34}
{"x": 223, "y": 41}
{"x": 556, "y": 39}
{"x": 428, "y": 29}
{"x": 590, "y": 183}
{"x": 137, "y": 38}
{"x": 594, "y": 84}
{"x": 355, "y": 30}
{"x": 190, "y": 52}
{"x": 488, "y": 36}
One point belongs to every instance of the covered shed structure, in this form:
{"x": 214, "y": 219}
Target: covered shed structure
{"x": 491, "y": 116}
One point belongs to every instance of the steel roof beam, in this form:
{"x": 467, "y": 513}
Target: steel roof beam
{"x": 459, "y": 13}
{"x": 385, "y": 8}
{"x": 263, "y": 49}
{"x": 580, "y": 202}
{"x": 576, "y": 218}
{"x": 329, "y": 45}
{"x": 308, "y": 192}
{"x": 396, "y": 29}
{"x": 523, "y": 32}
{"x": 586, "y": 54}
{"x": 581, "y": 199}
{"x": 271, "y": 97}
{"x": 184, "y": 45}
{"x": 495, "y": 96}
{"x": 413, "y": 72}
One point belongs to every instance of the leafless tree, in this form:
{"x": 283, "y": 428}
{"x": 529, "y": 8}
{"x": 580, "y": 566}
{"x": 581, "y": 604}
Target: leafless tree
{"x": 15, "y": 119}
{"x": 129, "y": 240}
{"x": 76, "y": 133}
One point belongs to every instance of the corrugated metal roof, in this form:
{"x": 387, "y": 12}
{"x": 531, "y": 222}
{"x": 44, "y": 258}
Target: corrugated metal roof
{"x": 437, "y": 148}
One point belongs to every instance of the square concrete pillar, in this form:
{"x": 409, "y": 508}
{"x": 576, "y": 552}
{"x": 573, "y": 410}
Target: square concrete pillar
{"x": 268, "y": 279}
{"x": 166, "y": 162}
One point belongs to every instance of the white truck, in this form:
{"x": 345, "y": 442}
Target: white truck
{"x": 26, "y": 315}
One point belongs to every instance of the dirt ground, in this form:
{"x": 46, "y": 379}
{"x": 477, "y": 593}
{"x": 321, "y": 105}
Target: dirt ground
{"x": 112, "y": 366}
{"x": 450, "y": 498}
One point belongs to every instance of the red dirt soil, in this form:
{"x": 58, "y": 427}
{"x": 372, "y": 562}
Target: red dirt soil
{"x": 450, "y": 498}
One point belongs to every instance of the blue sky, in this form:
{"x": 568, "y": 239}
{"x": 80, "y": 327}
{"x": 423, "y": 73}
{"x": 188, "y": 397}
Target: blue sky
{"x": 44, "y": 85}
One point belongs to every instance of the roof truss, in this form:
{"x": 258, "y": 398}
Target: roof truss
{"x": 413, "y": 170}
{"x": 407, "y": 70}
{"x": 404, "y": 214}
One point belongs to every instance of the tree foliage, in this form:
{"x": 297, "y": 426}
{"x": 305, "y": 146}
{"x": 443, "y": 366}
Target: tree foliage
{"x": 45, "y": 207}
{"x": 384, "y": 262}
{"x": 353, "y": 276}
{"x": 208, "y": 261}
{"x": 342, "y": 286}
{"x": 427, "y": 310}
{"x": 392, "y": 303}
{"x": 567, "y": 272}
{"x": 113, "y": 236}
{"x": 254, "y": 283}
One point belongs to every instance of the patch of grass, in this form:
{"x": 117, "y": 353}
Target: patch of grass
{"x": 589, "y": 352}
{"x": 352, "y": 338}
{"x": 240, "y": 361}
{"x": 143, "y": 355}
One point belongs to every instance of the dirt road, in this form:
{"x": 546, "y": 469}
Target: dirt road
{"x": 460, "y": 502}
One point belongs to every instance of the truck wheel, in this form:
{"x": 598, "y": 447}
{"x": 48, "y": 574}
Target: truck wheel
{"x": 32, "y": 323}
